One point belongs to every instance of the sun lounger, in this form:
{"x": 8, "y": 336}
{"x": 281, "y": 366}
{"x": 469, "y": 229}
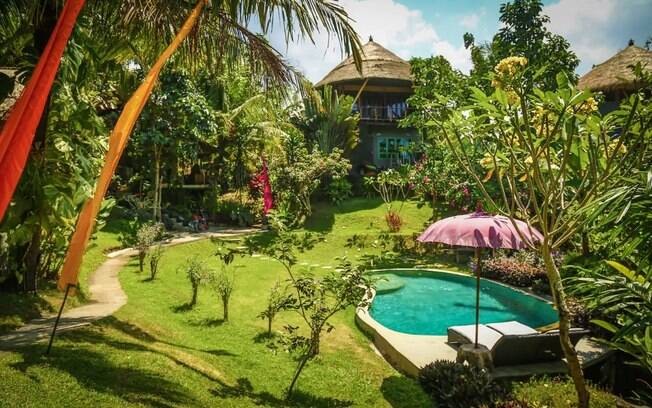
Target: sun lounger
{"x": 513, "y": 343}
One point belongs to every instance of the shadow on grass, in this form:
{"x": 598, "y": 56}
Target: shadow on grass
{"x": 404, "y": 392}
{"x": 17, "y": 308}
{"x": 95, "y": 370}
{"x": 186, "y": 307}
{"x": 208, "y": 322}
{"x": 264, "y": 337}
{"x": 244, "y": 389}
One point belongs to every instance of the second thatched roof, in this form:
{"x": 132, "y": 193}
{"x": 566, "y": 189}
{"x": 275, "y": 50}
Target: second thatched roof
{"x": 377, "y": 63}
{"x": 614, "y": 74}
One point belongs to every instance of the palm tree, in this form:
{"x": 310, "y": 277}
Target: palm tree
{"x": 327, "y": 120}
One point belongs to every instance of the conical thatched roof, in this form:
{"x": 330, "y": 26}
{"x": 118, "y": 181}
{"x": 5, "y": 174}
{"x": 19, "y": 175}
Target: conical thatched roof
{"x": 377, "y": 63}
{"x": 614, "y": 74}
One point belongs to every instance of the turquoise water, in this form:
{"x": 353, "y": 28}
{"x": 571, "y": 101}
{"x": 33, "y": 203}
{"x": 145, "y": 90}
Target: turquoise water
{"x": 430, "y": 302}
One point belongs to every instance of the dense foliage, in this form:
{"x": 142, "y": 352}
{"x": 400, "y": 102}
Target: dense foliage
{"x": 454, "y": 385}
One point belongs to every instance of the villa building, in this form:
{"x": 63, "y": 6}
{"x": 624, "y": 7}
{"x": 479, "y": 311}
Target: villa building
{"x": 614, "y": 77}
{"x": 381, "y": 91}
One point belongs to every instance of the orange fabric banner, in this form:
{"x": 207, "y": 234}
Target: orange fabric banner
{"x": 117, "y": 143}
{"x": 18, "y": 131}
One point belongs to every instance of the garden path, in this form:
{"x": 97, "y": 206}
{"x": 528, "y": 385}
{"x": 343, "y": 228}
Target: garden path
{"x": 106, "y": 294}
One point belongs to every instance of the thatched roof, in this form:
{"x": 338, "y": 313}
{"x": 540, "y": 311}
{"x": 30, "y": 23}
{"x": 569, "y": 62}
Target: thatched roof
{"x": 614, "y": 74}
{"x": 377, "y": 63}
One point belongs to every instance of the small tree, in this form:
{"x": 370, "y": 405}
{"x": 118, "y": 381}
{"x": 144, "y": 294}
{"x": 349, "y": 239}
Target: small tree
{"x": 223, "y": 283}
{"x": 277, "y": 301}
{"x": 195, "y": 271}
{"x": 155, "y": 256}
{"x": 315, "y": 299}
{"x": 553, "y": 157}
{"x": 391, "y": 184}
{"x": 146, "y": 235}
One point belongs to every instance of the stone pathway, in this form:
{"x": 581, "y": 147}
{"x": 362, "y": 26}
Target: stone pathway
{"x": 106, "y": 294}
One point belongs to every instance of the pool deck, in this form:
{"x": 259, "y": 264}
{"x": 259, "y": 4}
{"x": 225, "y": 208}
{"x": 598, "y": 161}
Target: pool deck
{"x": 409, "y": 352}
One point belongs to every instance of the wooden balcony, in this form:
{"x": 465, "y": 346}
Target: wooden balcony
{"x": 382, "y": 113}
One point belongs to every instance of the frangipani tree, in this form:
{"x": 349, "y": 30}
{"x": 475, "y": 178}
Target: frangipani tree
{"x": 553, "y": 156}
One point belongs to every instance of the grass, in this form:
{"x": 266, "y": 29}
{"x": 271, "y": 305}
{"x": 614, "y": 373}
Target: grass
{"x": 156, "y": 351}
{"x": 17, "y": 308}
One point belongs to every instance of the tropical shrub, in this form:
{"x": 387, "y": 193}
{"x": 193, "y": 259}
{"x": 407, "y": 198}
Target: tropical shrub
{"x": 327, "y": 120}
{"x": 622, "y": 304}
{"x": 392, "y": 186}
{"x": 238, "y": 208}
{"x": 277, "y": 301}
{"x": 455, "y": 385}
{"x": 146, "y": 235}
{"x": 155, "y": 256}
{"x": 195, "y": 270}
{"x": 512, "y": 271}
{"x": 393, "y": 220}
{"x": 223, "y": 284}
{"x": 339, "y": 190}
{"x": 298, "y": 173}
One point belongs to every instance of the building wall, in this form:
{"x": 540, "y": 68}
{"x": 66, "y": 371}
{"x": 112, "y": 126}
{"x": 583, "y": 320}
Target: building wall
{"x": 373, "y": 149}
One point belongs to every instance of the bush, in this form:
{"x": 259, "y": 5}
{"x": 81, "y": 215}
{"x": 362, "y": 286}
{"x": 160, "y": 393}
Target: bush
{"x": 513, "y": 272}
{"x": 223, "y": 283}
{"x": 146, "y": 235}
{"x": 195, "y": 271}
{"x": 339, "y": 190}
{"x": 238, "y": 208}
{"x": 394, "y": 221}
{"x": 452, "y": 385}
{"x": 155, "y": 256}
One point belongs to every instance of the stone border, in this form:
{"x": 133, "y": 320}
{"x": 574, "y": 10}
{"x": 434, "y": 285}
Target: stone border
{"x": 409, "y": 352}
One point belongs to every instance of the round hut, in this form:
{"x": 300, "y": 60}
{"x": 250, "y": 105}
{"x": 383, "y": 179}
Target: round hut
{"x": 614, "y": 77}
{"x": 381, "y": 89}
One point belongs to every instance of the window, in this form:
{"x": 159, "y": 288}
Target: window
{"x": 393, "y": 148}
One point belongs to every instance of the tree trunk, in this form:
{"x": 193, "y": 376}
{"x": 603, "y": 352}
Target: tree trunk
{"x": 32, "y": 261}
{"x": 315, "y": 340}
{"x": 193, "y": 301}
{"x": 586, "y": 248}
{"x": 297, "y": 372}
{"x": 269, "y": 325}
{"x": 43, "y": 27}
{"x": 141, "y": 260}
{"x": 574, "y": 366}
{"x": 225, "y": 308}
{"x": 157, "y": 183}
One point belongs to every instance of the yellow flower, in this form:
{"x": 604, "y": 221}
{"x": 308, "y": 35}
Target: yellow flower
{"x": 510, "y": 66}
{"x": 612, "y": 146}
{"x": 513, "y": 98}
{"x": 588, "y": 106}
{"x": 487, "y": 161}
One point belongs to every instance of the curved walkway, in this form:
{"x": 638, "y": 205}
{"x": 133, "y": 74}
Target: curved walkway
{"x": 106, "y": 294}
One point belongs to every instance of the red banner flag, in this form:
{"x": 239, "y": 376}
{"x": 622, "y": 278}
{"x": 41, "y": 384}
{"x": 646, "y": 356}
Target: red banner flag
{"x": 18, "y": 132}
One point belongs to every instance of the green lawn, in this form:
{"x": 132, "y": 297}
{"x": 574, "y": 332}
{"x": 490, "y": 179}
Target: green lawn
{"x": 17, "y": 308}
{"x": 156, "y": 352}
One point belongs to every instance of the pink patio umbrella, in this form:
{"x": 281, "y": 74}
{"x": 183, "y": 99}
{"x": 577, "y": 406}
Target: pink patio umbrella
{"x": 481, "y": 230}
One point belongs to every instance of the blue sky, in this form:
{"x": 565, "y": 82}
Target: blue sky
{"x": 596, "y": 29}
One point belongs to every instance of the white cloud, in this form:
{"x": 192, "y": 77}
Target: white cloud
{"x": 470, "y": 21}
{"x": 393, "y": 25}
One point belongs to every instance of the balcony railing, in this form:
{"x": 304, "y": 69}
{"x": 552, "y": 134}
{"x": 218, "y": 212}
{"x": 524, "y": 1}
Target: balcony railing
{"x": 382, "y": 113}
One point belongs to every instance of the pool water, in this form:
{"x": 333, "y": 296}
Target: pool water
{"x": 428, "y": 302}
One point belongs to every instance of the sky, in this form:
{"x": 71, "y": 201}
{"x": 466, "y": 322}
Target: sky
{"x": 595, "y": 29}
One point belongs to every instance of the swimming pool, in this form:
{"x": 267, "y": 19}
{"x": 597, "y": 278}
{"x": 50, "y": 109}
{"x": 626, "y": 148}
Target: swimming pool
{"x": 428, "y": 302}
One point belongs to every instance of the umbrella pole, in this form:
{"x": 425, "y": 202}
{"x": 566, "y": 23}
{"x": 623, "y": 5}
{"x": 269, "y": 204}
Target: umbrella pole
{"x": 478, "y": 269}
